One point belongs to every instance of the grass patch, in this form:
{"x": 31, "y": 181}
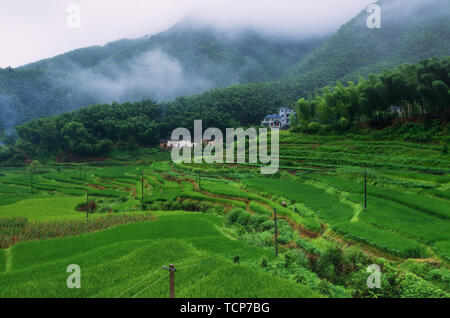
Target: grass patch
{"x": 132, "y": 252}
{"x": 44, "y": 209}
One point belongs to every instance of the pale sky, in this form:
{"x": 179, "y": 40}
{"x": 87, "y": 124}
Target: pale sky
{"x": 31, "y": 30}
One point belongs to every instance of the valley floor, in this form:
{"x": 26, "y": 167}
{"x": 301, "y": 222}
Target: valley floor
{"x": 215, "y": 223}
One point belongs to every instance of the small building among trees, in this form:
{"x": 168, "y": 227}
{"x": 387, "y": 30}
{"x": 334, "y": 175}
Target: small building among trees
{"x": 280, "y": 120}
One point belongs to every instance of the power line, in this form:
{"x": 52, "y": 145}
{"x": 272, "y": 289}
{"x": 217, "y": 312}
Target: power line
{"x": 184, "y": 265}
{"x": 187, "y": 266}
{"x": 145, "y": 279}
{"x": 143, "y": 290}
{"x": 212, "y": 256}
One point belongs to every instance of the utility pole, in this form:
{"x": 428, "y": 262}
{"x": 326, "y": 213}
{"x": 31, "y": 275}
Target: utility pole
{"x": 31, "y": 178}
{"x": 87, "y": 195}
{"x": 365, "y": 190}
{"x": 87, "y": 205}
{"x": 172, "y": 280}
{"x": 276, "y": 233}
{"x": 142, "y": 190}
{"x": 172, "y": 271}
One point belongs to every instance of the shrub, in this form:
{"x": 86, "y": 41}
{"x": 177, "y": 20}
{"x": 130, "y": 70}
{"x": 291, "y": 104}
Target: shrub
{"x": 412, "y": 286}
{"x": 312, "y": 224}
{"x": 244, "y": 218}
{"x": 330, "y": 263}
{"x": 355, "y": 258}
{"x": 285, "y": 232}
{"x": 267, "y": 225}
{"x": 263, "y": 261}
{"x": 298, "y": 257}
{"x": 313, "y": 127}
{"x": 344, "y": 124}
{"x": 307, "y": 246}
{"x": 257, "y": 222}
{"x": 262, "y": 239}
{"x": 92, "y": 206}
{"x": 305, "y": 277}
{"x": 233, "y": 216}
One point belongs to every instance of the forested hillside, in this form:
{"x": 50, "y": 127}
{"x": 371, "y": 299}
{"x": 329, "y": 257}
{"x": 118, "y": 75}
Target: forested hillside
{"x": 415, "y": 90}
{"x": 206, "y": 59}
{"x": 407, "y": 36}
{"x": 184, "y": 60}
{"x": 409, "y": 92}
{"x": 410, "y": 31}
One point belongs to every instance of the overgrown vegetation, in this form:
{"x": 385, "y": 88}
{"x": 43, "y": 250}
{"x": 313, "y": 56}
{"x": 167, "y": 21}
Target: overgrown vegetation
{"x": 17, "y": 230}
{"x": 411, "y": 91}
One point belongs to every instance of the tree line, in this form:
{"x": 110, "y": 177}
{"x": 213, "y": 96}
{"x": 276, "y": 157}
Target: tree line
{"x": 408, "y": 91}
{"x": 414, "y": 89}
{"x": 97, "y": 129}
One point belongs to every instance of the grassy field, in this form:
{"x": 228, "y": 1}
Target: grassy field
{"x": 44, "y": 209}
{"x": 204, "y": 254}
{"x": 225, "y": 236}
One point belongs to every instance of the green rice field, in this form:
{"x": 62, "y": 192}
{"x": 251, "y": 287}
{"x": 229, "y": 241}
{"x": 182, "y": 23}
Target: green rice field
{"x": 216, "y": 224}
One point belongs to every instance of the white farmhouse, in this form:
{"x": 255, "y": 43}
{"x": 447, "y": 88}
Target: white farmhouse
{"x": 282, "y": 120}
{"x": 181, "y": 144}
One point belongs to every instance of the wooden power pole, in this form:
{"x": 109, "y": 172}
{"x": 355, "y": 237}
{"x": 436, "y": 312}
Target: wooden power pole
{"x": 172, "y": 271}
{"x": 87, "y": 195}
{"x": 365, "y": 190}
{"x": 31, "y": 179}
{"x": 276, "y": 233}
{"x": 87, "y": 204}
{"x": 142, "y": 187}
{"x": 172, "y": 280}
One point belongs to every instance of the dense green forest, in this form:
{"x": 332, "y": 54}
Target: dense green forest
{"x": 366, "y": 95}
{"x": 414, "y": 90}
{"x": 359, "y": 204}
{"x": 410, "y": 32}
{"x": 283, "y": 70}
{"x": 183, "y": 60}
{"x": 409, "y": 91}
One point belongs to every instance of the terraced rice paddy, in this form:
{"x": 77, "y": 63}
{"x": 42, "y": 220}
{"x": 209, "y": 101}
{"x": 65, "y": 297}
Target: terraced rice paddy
{"x": 318, "y": 196}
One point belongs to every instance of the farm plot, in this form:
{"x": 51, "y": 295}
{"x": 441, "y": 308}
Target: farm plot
{"x": 443, "y": 248}
{"x": 406, "y": 221}
{"x": 256, "y": 203}
{"x": 340, "y": 217}
{"x": 424, "y": 203}
{"x": 161, "y": 190}
{"x": 44, "y": 208}
{"x": 325, "y": 204}
{"x": 201, "y": 253}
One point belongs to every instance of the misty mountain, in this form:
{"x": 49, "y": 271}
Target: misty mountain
{"x": 411, "y": 31}
{"x": 187, "y": 60}
{"x": 184, "y": 60}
